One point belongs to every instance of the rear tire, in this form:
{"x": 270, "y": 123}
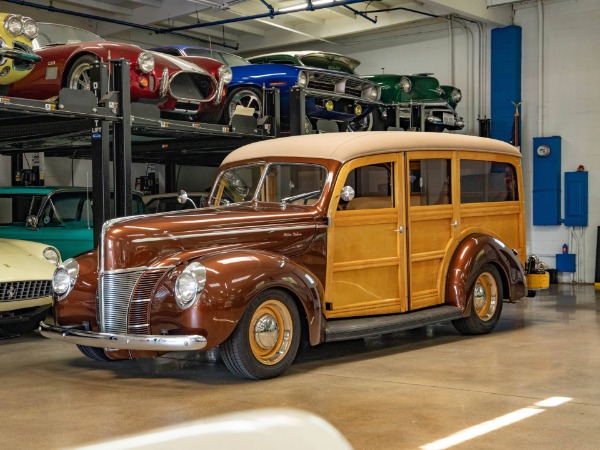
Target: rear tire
{"x": 485, "y": 303}
{"x": 266, "y": 340}
{"x": 95, "y": 353}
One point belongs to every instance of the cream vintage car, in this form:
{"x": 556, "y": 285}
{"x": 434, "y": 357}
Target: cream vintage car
{"x": 26, "y": 270}
{"x": 16, "y": 55}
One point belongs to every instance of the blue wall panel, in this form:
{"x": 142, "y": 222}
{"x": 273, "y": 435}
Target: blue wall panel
{"x": 546, "y": 181}
{"x": 505, "y": 80}
{"x": 576, "y": 199}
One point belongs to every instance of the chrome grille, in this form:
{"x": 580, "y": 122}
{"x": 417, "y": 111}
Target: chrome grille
{"x": 124, "y": 300}
{"x": 24, "y": 290}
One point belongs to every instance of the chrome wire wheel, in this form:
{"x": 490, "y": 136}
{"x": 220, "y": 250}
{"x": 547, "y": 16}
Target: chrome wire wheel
{"x": 80, "y": 78}
{"x": 485, "y": 296}
{"x": 270, "y": 332}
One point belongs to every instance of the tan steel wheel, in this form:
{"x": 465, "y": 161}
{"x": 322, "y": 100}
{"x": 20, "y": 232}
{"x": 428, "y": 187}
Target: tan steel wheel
{"x": 485, "y": 296}
{"x": 270, "y": 332}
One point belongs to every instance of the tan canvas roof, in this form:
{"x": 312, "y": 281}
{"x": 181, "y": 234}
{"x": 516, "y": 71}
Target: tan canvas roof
{"x": 346, "y": 146}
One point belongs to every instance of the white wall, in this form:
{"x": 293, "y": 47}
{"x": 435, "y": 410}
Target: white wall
{"x": 571, "y": 109}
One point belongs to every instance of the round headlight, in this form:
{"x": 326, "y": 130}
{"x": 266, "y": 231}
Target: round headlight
{"x": 13, "y": 25}
{"x": 30, "y": 28}
{"x": 189, "y": 283}
{"x": 302, "y": 80}
{"x": 405, "y": 85}
{"x": 370, "y": 93}
{"x": 146, "y": 62}
{"x": 225, "y": 74}
{"x": 456, "y": 95}
{"x": 52, "y": 255}
{"x": 64, "y": 278}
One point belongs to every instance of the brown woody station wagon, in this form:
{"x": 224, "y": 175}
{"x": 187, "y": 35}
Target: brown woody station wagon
{"x": 317, "y": 238}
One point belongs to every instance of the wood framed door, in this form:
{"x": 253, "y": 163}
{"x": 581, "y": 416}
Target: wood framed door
{"x": 365, "y": 243}
{"x": 433, "y": 222}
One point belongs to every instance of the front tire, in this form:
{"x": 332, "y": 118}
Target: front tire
{"x": 95, "y": 353}
{"x": 79, "y": 74}
{"x": 249, "y": 97}
{"x": 485, "y": 303}
{"x": 371, "y": 122}
{"x": 266, "y": 340}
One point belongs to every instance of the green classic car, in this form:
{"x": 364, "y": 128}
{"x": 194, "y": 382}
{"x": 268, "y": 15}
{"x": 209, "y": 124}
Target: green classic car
{"x": 16, "y": 55}
{"x": 58, "y": 216}
{"x": 403, "y": 92}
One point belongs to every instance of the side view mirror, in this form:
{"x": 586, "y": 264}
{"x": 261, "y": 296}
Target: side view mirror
{"x": 31, "y": 222}
{"x": 183, "y": 198}
{"x": 347, "y": 193}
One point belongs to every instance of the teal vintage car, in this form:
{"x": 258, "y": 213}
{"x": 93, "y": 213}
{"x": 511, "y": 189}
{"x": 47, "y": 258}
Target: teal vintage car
{"x": 58, "y": 216}
{"x": 402, "y": 92}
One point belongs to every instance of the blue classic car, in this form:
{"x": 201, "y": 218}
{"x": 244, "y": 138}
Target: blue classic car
{"x": 58, "y": 216}
{"x": 331, "y": 94}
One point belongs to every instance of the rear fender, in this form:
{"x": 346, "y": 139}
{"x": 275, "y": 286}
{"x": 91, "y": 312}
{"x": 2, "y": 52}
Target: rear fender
{"x": 470, "y": 256}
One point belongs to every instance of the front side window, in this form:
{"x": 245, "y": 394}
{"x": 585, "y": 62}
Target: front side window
{"x": 300, "y": 184}
{"x": 373, "y": 187}
{"x": 429, "y": 182}
{"x": 14, "y": 209}
{"x": 486, "y": 181}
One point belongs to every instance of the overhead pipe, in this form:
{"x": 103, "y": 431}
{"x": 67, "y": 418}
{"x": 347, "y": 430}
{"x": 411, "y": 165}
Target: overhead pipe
{"x": 115, "y": 21}
{"x": 361, "y": 14}
{"x": 309, "y": 7}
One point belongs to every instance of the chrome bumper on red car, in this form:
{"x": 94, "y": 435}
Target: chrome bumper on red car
{"x": 160, "y": 343}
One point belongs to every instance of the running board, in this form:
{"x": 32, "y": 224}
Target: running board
{"x": 343, "y": 329}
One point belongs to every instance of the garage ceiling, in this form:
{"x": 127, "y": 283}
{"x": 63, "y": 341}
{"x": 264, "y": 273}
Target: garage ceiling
{"x": 252, "y": 24}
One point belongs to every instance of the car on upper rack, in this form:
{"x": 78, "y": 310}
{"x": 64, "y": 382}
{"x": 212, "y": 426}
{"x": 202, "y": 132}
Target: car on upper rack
{"x": 314, "y": 238}
{"x": 331, "y": 94}
{"x": 401, "y": 93}
{"x": 16, "y": 53}
{"x": 26, "y": 270}
{"x": 58, "y": 216}
{"x": 191, "y": 89}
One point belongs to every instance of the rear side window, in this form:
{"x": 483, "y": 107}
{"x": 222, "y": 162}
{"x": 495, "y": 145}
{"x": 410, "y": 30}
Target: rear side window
{"x": 429, "y": 181}
{"x": 486, "y": 181}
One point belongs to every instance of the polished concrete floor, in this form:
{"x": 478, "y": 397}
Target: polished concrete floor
{"x": 402, "y": 391}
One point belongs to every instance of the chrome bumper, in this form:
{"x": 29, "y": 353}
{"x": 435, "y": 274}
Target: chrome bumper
{"x": 159, "y": 343}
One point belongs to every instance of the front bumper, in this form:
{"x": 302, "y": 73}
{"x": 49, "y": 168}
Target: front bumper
{"x": 159, "y": 343}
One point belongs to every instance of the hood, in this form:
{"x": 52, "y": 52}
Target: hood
{"x": 159, "y": 239}
{"x": 20, "y": 261}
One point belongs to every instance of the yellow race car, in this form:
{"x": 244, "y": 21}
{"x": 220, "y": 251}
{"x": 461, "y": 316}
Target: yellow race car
{"x": 16, "y": 54}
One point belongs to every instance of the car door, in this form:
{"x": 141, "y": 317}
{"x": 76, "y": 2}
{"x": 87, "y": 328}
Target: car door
{"x": 433, "y": 221}
{"x": 366, "y": 244}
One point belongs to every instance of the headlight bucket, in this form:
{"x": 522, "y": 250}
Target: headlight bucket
{"x": 405, "y": 85}
{"x": 371, "y": 93}
{"x": 189, "y": 284}
{"x": 30, "y": 28}
{"x": 13, "y": 25}
{"x": 302, "y": 80}
{"x": 146, "y": 62}
{"x": 456, "y": 95}
{"x": 64, "y": 278}
{"x": 52, "y": 255}
{"x": 225, "y": 74}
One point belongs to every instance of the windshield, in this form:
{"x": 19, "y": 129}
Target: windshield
{"x": 329, "y": 62}
{"x": 53, "y": 34}
{"x": 228, "y": 58}
{"x": 14, "y": 209}
{"x": 300, "y": 184}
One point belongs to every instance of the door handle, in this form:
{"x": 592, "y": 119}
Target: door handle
{"x": 400, "y": 229}
{"x": 455, "y": 223}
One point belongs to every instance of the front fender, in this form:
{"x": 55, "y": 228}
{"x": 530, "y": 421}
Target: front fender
{"x": 233, "y": 279}
{"x": 470, "y": 256}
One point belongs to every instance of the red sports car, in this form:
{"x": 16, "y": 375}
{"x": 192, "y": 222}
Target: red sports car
{"x": 195, "y": 87}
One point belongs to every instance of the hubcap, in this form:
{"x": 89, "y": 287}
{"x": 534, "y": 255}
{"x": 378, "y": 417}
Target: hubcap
{"x": 270, "y": 332}
{"x": 485, "y": 296}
